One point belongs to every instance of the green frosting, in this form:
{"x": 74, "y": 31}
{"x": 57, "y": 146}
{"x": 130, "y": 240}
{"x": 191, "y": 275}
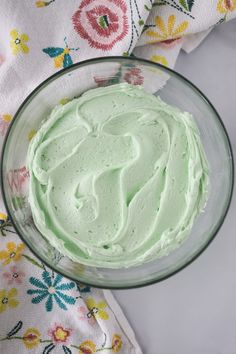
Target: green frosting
{"x": 117, "y": 177}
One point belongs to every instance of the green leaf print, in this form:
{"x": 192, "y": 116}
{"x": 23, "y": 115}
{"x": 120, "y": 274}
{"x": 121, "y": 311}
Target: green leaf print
{"x": 66, "y": 350}
{"x": 103, "y": 21}
{"x": 48, "y": 348}
{"x": 15, "y": 329}
{"x": 147, "y": 8}
{"x": 18, "y": 202}
{"x": 187, "y": 4}
{"x": 33, "y": 261}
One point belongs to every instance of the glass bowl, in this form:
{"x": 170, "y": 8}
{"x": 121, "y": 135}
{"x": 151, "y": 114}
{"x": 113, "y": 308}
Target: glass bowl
{"x": 72, "y": 82}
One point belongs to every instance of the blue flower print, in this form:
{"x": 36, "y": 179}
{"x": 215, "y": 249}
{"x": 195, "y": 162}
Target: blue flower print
{"x": 61, "y": 56}
{"x": 51, "y": 288}
{"x": 83, "y": 288}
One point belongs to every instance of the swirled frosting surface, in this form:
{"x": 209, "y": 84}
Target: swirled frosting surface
{"x": 117, "y": 177}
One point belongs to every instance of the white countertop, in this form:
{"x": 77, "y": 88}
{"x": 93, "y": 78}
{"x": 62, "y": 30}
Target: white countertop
{"x": 194, "y": 311}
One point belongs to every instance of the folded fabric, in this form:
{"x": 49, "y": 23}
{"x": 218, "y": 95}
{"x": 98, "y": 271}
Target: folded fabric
{"x": 40, "y": 311}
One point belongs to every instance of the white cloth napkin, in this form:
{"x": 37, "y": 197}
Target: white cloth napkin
{"x": 40, "y": 311}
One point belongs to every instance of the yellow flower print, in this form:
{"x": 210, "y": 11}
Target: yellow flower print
{"x": 3, "y": 216}
{"x": 64, "y": 100}
{"x": 7, "y": 118}
{"x": 7, "y": 299}
{"x": 159, "y": 59}
{"x": 224, "y": 6}
{"x": 31, "y": 134}
{"x": 59, "y": 334}
{"x": 87, "y": 347}
{"x": 97, "y": 309}
{"x": 79, "y": 268}
{"x": 18, "y": 41}
{"x": 31, "y": 338}
{"x": 12, "y": 253}
{"x": 116, "y": 343}
{"x": 43, "y": 3}
{"x": 167, "y": 32}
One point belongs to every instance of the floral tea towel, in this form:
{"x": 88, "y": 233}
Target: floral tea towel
{"x": 41, "y": 311}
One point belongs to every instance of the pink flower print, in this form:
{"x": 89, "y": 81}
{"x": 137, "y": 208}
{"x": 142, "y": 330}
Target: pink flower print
{"x": 101, "y": 22}
{"x": 170, "y": 43}
{"x": 85, "y": 315}
{"x": 100, "y": 81}
{"x": 2, "y": 59}
{"x": 106, "y": 81}
{"x": 5, "y": 120}
{"x": 15, "y": 275}
{"x": 16, "y": 179}
{"x": 59, "y": 334}
{"x": 133, "y": 76}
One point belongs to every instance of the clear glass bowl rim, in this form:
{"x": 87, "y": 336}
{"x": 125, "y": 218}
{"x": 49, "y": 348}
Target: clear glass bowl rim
{"x": 145, "y": 62}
